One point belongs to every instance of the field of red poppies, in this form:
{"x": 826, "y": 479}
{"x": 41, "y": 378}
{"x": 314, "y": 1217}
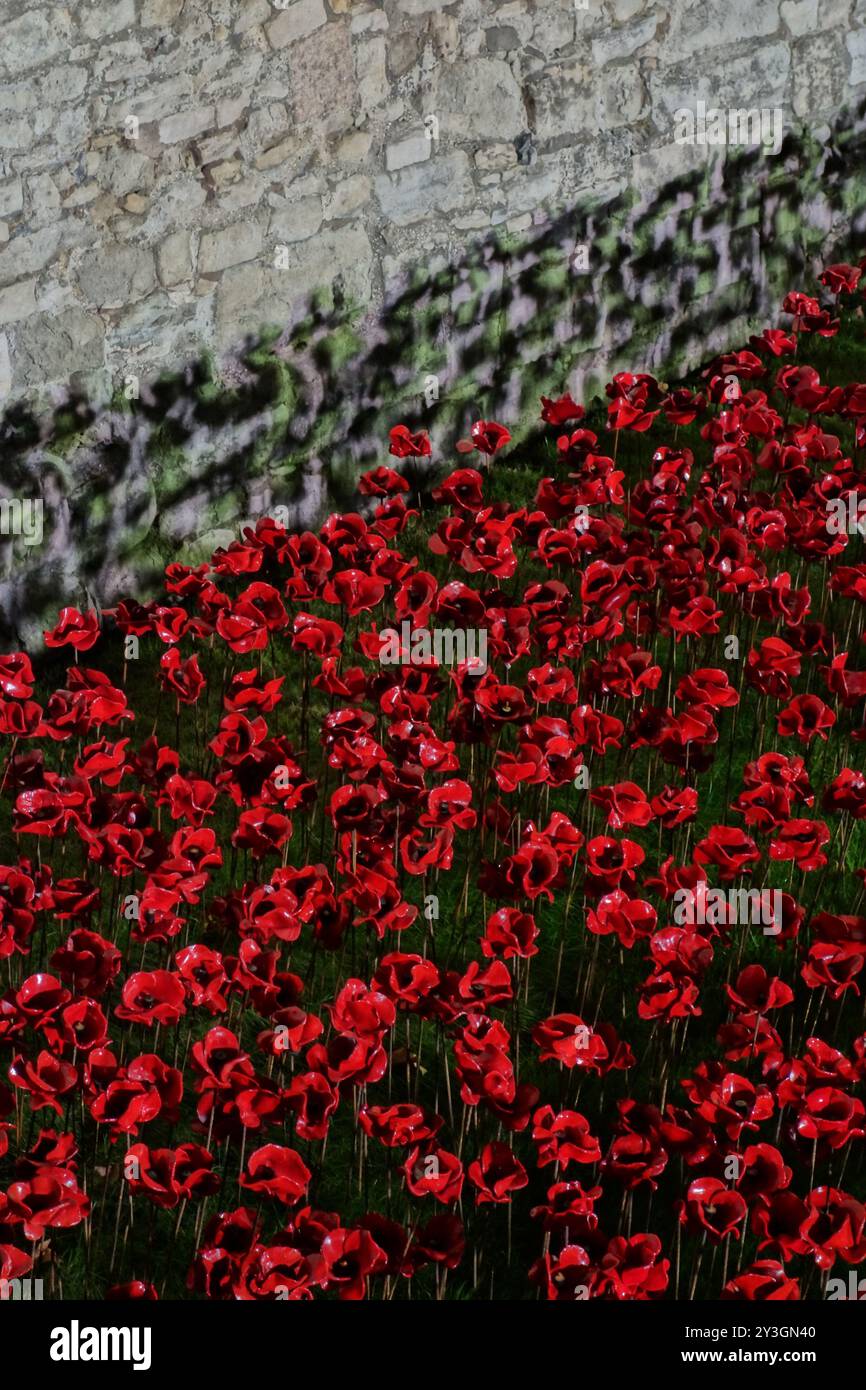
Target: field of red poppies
{"x": 326, "y": 975}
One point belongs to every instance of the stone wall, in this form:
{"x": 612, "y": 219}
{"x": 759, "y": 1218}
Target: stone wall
{"x": 155, "y": 154}
{"x": 550, "y": 232}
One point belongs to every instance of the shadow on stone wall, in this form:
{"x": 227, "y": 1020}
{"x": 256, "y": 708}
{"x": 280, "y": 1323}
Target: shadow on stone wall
{"x": 671, "y": 275}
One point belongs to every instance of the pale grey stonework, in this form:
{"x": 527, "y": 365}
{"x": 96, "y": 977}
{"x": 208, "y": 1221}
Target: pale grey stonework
{"x": 154, "y": 154}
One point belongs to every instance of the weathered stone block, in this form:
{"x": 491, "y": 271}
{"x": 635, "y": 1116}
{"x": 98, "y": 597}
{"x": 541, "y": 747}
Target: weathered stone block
{"x": 564, "y": 101}
{"x": 299, "y": 20}
{"x": 419, "y": 190}
{"x": 856, "y": 44}
{"x": 25, "y": 254}
{"x": 480, "y": 100}
{"x": 554, "y": 27}
{"x": 801, "y": 16}
{"x": 420, "y": 7}
{"x": 495, "y": 159}
{"x": 174, "y": 258}
{"x": 371, "y": 74}
{"x": 253, "y": 295}
{"x": 5, "y": 367}
{"x": 103, "y": 17}
{"x": 112, "y": 276}
{"x": 178, "y": 205}
{"x": 295, "y": 221}
{"x": 35, "y": 37}
{"x": 123, "y": 169}
{"x": 233, "y": 245}
{"x": 759, "y": 77}
{"x": 162, "y": 12}
{"x": 17, "y": 133}
{"x": 53, "y": 347}
{"x": 617, "y": 44}
{"x": 354, "y": 147}
{"x": 323, "y": 79}
{"x": 696, "y": 26}
{"x": 186, "y": 125}
{"x": 18, "y": 301}
{"x": 11, "y": 197}
{"x": 819, "y": 74}
{"x": 414, "y": 149}
{"x": 215, "y": 148}
{"x": 347, "y": 197}
{"x": 623, "y": 97}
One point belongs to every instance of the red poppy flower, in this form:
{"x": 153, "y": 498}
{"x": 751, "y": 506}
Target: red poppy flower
{"x": 566, "y": 1038}
{"x": 806, "y": 717}
{"x": 154, "y": 996}
{"x": 841, "y": 278}
{"x": 510, "y": 933}
{"x": 625, "y": 804}
{"x": 496, "y": 1174}
{"x": 488, "y": 437}
{"x": 561, "y": 410}
{"x": 763, "y": 1280}
{"x": 756, "y": 992}
{"x": 433, "y": 1171}
{"x": 563, "y": 1137}
{"x": 405, "y": 444}
{"x": 169, "y": 1176}
{"x": 50, "y": 1200}
{"x": 833, "y": 1225}
{"x": 277, "y": 1172}
{"x": 713, "y": 1208}
{"x": 801, "y": 841}
{"x": 74, "y": 629}
{"x": 350, "y": 1257}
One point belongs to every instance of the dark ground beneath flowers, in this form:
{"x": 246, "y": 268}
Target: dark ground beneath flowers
{"x": 752, "y": 1075}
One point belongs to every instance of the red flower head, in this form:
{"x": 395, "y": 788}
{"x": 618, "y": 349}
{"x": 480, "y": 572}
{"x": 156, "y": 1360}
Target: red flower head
{"x": 496, "y": 1174}
{"x": 50, "y": 1200}
{"x": 149, "y": 997}
{"x": 404, "y": 444}
{"x": 276, "y": 1172}
{"x": 488, "y": 437}
{"x": 563, "y": 1138}
{"x": 711, "y": 1207}
{"x": 806, "y": 717}
{"x": 433, "y": 1171}
{"x": 74, "y": 629}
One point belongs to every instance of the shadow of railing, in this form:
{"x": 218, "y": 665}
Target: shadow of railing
{"x": 650, "y": 281}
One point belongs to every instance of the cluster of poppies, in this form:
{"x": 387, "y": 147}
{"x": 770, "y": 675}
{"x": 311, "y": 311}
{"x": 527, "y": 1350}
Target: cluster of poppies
{"x": 327, "y": 976}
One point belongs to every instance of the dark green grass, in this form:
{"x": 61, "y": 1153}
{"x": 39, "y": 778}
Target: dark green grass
{"x": 154, "y": 1245}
